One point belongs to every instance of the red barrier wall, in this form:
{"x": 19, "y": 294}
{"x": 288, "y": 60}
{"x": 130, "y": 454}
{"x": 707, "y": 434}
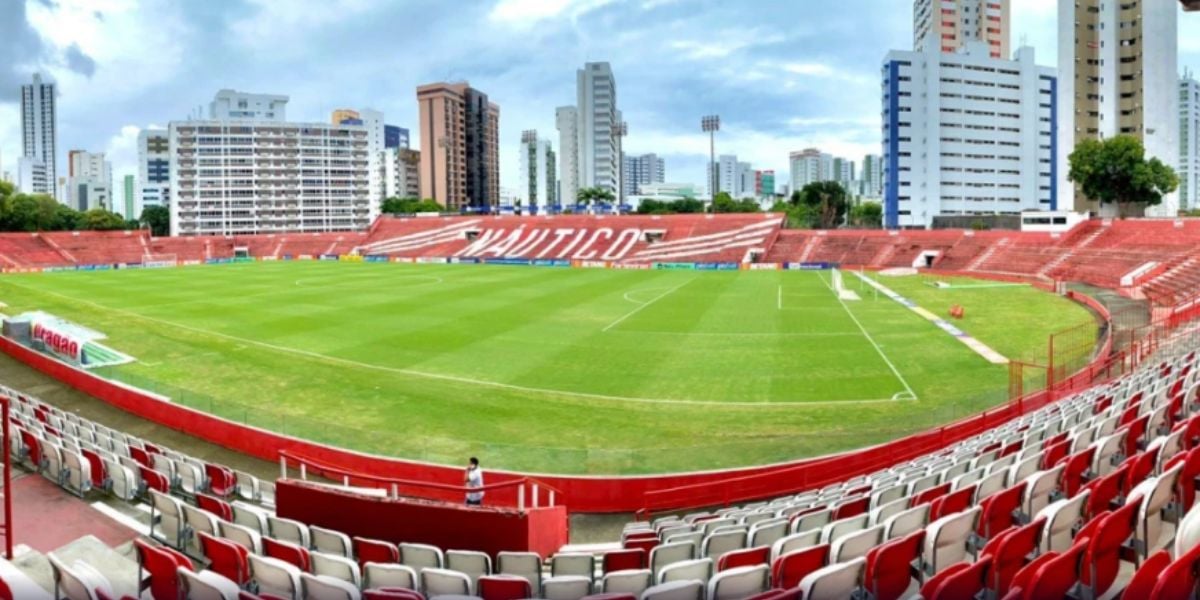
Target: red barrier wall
{"x": 486, "y": 529}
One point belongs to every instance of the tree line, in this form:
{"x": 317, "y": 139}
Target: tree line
{"x": 40, "y": 212}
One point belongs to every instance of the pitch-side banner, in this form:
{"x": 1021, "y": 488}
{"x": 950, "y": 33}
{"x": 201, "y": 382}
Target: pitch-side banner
{"x": 58, "y": 341}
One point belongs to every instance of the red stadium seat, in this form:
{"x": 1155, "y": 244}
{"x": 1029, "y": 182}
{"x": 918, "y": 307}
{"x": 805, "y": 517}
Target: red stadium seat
{"x": 1101, "y": 561}
{"x": 887, "y": 574}
{"x": 930, "y": 495}
{"x": 951, "y": 503}
{"x": 1055, "y": 453}
{"x": 1178, "y": 580}
{"x": 1187, "y": 478}
{"x": 1104, "y": 491}
{"x": 221, "y": 480}
{"x": 154, "y": 480}
{"x": 287, "y": 552}
{"x": 1011, "y": 553}
{"x": 1141, "y": 585}
{"x": 959, "y": 583}
{"x": 622, "y": 560}
{"x": 645, "y": 544}
{"x": 778, "y": 594}
{"x": 1076, "y": 466}
{"x": 368, "y": 550}
{"x": 852, "y": 507}
{"x": 932, "y": 586}
{"x": 744, "y": 558}
{"x": 159, "y": 565}
{"x": 392, "y": 594}
{"x": 1055, "y": 576}
{"x": 226, "y": 558}
{"x": 96, "y": 465}
{"x": 504, "y": 587}
{"x": 789, "y": 569}
{"x": 215, "y": 506}
{"x": 999, "y": 511}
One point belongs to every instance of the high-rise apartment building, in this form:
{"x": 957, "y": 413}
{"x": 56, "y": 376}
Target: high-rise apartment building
{"x": 340, "y": 116}
{"x": 38, "y": 166}
{"x": 232, "y": 105}
{"x": 966, "y": 134}
{"x": 89, "y": 181}
{"x": 1189, "y": 143}
{"x": 377, "y": 136}
{"x": 402, "y": 173}
{"x": 599, "y": 127}
{"x": 844, "y": 172}
{"x": 733, "y": 177}
{"x": 952, "y": 24}
{"x": 154, "y": 169}
{"x": 871, "y": 178}
{"x": 809, "y": 166}
{"x": 567, "y": 123}
{"x": 536, "y": 180}
{"x": 127, "y": 207}
{"x": 641, "y": 170}
{"x": 460, "y": 157}
{"x": 764, "y": 184}
{"x": 241, "y": 177}
{"x": 1118, "y": 75}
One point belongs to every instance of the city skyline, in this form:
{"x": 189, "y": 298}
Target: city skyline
{"x": 777, "y": 90}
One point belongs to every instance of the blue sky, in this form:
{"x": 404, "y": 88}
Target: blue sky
{"x": 783, "y": 74}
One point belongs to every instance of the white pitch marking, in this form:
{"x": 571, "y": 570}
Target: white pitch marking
{"x": 908, "y": 389}
{"x": 639, "y": 309}
{"x": 780, "y": 300}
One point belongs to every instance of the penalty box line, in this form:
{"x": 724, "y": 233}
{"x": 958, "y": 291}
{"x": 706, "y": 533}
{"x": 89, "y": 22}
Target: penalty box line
{"x": 908, "y": 393}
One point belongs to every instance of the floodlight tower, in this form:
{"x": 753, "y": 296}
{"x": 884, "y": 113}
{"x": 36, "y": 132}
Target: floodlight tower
{"x": 711, "y": 124}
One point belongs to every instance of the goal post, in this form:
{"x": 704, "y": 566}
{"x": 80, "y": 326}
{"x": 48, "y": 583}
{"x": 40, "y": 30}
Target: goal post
{"x": 839, "y": 287}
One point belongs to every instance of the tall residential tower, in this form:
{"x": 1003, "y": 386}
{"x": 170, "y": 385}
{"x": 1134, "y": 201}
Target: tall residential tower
{"x": 38, "y": 165}
{"x": 1118, "y": 75}
{"x": 460, "y": 162}
{"x": 951, "y": 24}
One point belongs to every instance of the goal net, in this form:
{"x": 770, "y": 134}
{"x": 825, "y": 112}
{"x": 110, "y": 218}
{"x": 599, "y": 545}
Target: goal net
{"x": 159, "y": 260}
{"x": 839, "y": 287}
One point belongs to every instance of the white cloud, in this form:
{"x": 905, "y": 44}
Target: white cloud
{"x": 724, "y": 43}
{"x": 525, "y": 13}
{"x": 122, "y": 151}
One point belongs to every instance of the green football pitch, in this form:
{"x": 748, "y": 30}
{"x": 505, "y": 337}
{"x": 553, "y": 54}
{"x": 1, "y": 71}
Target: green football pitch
{"x": 554, "y": 370}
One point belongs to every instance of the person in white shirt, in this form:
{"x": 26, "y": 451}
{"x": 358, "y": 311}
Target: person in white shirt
{"x": 473, "y": 479}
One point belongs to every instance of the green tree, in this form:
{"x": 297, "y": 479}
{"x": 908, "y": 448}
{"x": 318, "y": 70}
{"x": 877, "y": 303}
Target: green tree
{"x": 591, "y": 195}
{"x": 99, "y": 219}
{"x": 65, "y": 218}
{"x": 158, "y": 219}
{"x": 409, "y": 206}
{"x": 724, "y": 203}
{"x": 867, "y": 214}
{"x": 1116, "y": 170}
{"x": 827, "y": 202}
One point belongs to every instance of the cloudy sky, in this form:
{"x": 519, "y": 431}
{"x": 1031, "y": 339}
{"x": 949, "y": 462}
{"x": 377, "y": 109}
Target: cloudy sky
{"x": 783, "y": 74}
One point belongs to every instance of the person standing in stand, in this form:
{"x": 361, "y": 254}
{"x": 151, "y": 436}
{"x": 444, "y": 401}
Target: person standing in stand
{"x": 473, "y": 479}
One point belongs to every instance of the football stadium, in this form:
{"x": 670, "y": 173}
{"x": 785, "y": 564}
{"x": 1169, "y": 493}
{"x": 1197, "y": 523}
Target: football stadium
{"x": 912, "y": 314}
{"x": 745, "y": 399}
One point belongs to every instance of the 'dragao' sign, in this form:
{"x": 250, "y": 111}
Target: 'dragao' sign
{"x": 59, "y": 342}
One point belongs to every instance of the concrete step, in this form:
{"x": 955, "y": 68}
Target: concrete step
{"x": 118, "y": 565}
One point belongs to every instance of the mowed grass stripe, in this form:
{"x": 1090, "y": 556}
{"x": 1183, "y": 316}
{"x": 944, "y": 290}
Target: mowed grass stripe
{"x": 541, "y": 328}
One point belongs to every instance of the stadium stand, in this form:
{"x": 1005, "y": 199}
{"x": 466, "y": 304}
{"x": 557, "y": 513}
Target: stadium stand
{"x": 1005, "y": 513}
{"x": 1142, "y": 258}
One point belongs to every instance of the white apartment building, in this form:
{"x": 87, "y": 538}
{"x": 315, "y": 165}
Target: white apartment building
{"x": 567, "y": 124}
{"x": 38, "y": 169}
{"x": 154, "y": 169}
{"x": 536, "y": 186}
{"x": 871, "y": 178}
{"x": 372, "y": 121}
{"x": 598, "y": 128}
{"x": 33, "y": 176}
{"x": 402, "y": 173}
{"x": 236, "y": 176}
{"x": 1118, "y": 75}
{"x": 966, "y": 134}
{"x": 733, "y": 177}
{"x": 1189, "y": 143}
{"x": 232, "y": 105}
{"x": 809, "y": 166}
{"x": 641, "y": 170}
{"x": 843, "y": 172}
{"x": 89, "y": 181}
